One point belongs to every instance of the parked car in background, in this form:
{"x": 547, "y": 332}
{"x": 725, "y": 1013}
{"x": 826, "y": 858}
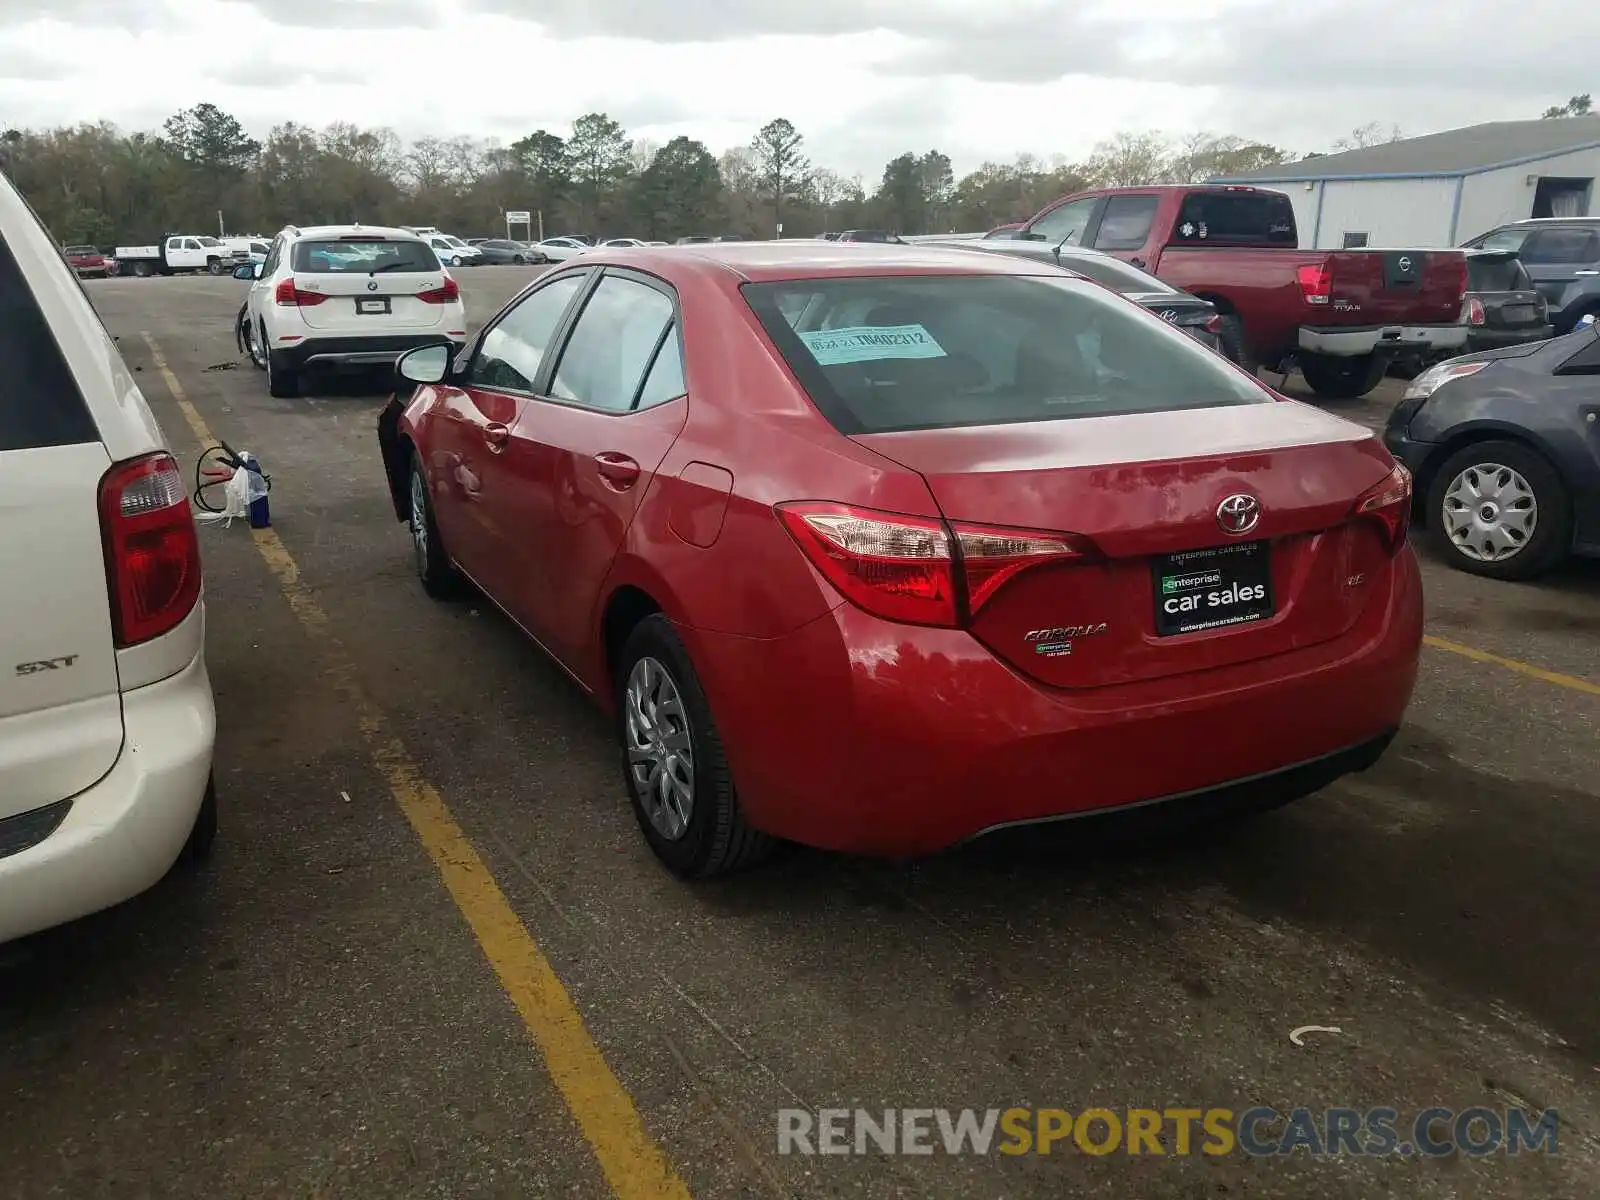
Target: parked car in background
{"x": 502, "y": 251}
{"x": 1561, "y": 256}
{"x": 334, "y": 297}
{"x": 1189, "y": 314}
{"x": 176, "y": 254}
{"x": 624, "y": 243}
{"x": 452, "y": 251}
{"x": 1503, "y": 308}
{"x": 87, "y": 261}
{"x": 694, "y": 239}
{"x": 1341, "y": 316}
{"x": 559, "y": 249}
{"x": 107, "y": 723}
{"x": 1504, "y": 448}
{"x": 881, "y": 236}
{"x": 879, "y": 552}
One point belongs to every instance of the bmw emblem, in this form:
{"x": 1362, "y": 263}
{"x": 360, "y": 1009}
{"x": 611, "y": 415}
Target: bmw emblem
{"x": 372, "y": 285}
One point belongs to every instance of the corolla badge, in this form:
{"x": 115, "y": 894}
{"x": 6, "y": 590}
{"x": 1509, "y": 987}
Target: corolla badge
{"x": 1056, "y": 642}
{"x": 1239, "y": 513}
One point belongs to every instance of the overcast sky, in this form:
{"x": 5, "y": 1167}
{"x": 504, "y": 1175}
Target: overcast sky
{"x": 862, "y": 79}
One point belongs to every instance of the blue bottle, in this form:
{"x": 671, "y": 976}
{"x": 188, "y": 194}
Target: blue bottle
{"x": 260, "y": 514}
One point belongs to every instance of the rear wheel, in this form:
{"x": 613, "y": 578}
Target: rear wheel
{"x": 214, "y": 266}
{"x": 518, "y": 259}
{"x": 1500, "y": 509}
{"x": 254, "y": 346}
{"x": 1234, "y": 346}
{"x": 141, "y": 269}
{"x": 1342, "y": 378}
{"x": 673, "y": 762}
{"x": 283, "y": 381}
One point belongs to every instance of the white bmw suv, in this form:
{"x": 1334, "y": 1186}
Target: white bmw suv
{"x": 343, "y": 296}
{"x": 106, "y": 716}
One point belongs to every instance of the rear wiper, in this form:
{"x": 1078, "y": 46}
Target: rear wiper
{"x": 394, "y": 266}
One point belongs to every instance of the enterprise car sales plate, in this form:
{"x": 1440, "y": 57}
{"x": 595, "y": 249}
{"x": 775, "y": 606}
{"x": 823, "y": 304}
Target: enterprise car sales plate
{"x": 1211, "y": 589}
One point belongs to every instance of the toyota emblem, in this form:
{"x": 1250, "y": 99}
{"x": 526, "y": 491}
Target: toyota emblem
{"x": 1239, "y": 514}
{"x": 372, "y": 285}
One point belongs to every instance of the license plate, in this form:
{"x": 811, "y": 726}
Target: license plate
{"x": 1212, "y": 589}
{"x": 372, "y": 304}
{"x": 1517, "y": 313}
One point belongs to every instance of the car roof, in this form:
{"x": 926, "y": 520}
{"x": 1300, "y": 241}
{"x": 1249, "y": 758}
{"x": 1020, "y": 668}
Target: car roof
{"x": 336, "y": 231}
{"x": 759, "y": 262}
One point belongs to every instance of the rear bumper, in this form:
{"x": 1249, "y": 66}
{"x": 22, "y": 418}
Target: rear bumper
{"x": 1493, "y": 339}
{"x": 895, "y": 740}
{"x": 351, "y": 352}
{"x": 123, "y": 834}
{"x": 1359, "y": 340}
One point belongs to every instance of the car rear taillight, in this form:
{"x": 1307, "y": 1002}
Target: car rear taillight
{"x": 1389, "y": 503}
{"x": 1213, "y": 323}
{"x": 1475, "y": 313}
{"x": 444, "y": 294}
{"x": 919, "y": 570}
{"x": 287, "y": 294}
{"x": 1316, "y": 283}
{"x": 152, "y": 552}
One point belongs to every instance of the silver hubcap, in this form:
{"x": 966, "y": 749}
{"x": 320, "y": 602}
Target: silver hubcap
{"x": 1489, "y": 512}
{"x": 419, "y": 520}
{"x": 660, "y": 749}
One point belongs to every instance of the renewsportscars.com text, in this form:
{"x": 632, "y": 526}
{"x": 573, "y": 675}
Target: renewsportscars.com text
{"x": 1432, "y": 1132}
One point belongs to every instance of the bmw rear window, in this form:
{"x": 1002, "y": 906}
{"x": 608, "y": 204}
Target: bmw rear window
{"x": 888, "y": 353}
{"x": 40, "y": 404}
{"x": 339, "y": 256}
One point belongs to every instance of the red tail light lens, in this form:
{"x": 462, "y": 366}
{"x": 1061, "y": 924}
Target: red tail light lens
{"x": 152, "y": 552}
{"x": 1214, "y": 323}
{"x": 919, "y": 570}
{"x": 1389, "y": 503}
{"x": 444, "y": 294}
{"x": 1316, "y": 283}
{"x": 287, "y": 294}
{"x": 1475, "y": 313}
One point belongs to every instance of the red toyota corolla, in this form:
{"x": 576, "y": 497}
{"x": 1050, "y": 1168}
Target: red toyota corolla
{"x": 881, "y": 548}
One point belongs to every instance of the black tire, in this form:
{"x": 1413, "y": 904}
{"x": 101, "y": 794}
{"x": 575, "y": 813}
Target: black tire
{"x": 1342, "y": 378}
{"x": 142, "y": 270}
{"x": 213, "y": 266}
{"x": 1234, "y": 346}
{"x": 283, "y": 381}
{"x": 518, "y": 259}
{"x": 252, "y": 344}
{"x": 715, "y": 839}
{"x": 203, "y": 836}
{"x": 1552, "y": 531}
{"x": 437, "y": 574}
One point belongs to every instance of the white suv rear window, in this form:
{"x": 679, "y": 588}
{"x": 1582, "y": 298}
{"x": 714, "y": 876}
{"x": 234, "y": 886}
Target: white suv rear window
{"x": 40, "y": 404}
{"x": 361, "y": 256}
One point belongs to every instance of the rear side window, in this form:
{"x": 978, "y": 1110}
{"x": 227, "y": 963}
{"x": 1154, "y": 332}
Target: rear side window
{"x": 1496, "y": 275}
{"x": 1114, "y": 273}
{"x": 1126, "y": 222}
{"x": 361, "y": 256}
{"x": 40, "y": 404}
{"x": 1570, "y": 247}
{"x": 613, "y": 344}
{"x": 934, "y": 352}
{"x": 1236, "y": 219}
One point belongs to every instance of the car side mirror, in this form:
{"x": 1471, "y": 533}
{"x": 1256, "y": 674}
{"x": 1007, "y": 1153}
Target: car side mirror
{"x": 248, "y": 271}
{"x": 425, "y": 364}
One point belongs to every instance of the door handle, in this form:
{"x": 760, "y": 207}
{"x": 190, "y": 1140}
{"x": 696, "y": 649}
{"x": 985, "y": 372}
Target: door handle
{"x": 620, "y": 471}
{"x": 496, "y": 435}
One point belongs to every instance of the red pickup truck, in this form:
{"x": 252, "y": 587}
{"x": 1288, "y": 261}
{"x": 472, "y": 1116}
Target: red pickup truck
{"x": 87, "y": 261}
{"x": 1341, "y": 316}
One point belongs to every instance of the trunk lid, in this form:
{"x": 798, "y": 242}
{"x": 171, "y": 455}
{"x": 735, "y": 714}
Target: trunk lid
{"x": 60, "y": 708}
{"x": 371, "y": 285}
{"x": 1173, "y": 593}
{"x": 1413, "y": 287}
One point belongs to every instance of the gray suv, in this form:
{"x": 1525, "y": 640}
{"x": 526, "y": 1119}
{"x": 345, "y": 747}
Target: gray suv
{"x": 1562, "y": 257}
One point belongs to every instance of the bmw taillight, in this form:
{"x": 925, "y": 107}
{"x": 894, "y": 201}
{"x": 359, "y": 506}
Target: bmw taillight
{"x": 1316, "y": 283}
{"x": 444, "y": 294}
{"x": 1389, "y": 504}
{"x": 287, "y": 294}
{"x": 919, "y": 570}
{"x": 151, "y": 549}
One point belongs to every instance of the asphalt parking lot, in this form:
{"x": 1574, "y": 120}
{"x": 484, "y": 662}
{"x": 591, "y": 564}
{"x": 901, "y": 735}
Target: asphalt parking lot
{"x": 434, "y": 958}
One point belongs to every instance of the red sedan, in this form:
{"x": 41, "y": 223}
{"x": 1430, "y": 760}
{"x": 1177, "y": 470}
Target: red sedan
{"x": 878, "y": 549}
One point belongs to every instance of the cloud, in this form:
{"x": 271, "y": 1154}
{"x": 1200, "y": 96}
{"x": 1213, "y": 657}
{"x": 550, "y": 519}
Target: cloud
{"x": 21, "y": 63}
{"x": 350, "y": 14}
{"x": 273, "y": 73}
{"x": 135, "y": 16}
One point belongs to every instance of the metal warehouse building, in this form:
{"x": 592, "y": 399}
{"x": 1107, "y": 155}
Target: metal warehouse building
{"x": 1441, "y": 189}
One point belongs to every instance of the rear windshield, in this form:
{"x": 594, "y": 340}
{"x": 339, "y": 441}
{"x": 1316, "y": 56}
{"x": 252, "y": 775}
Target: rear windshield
{"x": 40, "y": 404}
{"x": 1236, "y": 219}
{"x": 1114, "y": 273}
{"x": 80, "y": 251}
{"x": 940, "y": 351}
{"x": 1497, "y": 275}
{"x": 360, "y": 256}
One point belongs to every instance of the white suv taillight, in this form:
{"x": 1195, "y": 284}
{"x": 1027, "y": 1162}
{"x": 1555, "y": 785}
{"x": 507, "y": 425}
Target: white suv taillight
{"x": 152, "y": 551}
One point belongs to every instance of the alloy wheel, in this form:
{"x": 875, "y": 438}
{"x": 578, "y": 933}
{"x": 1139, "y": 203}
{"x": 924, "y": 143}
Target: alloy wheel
{"x": 1489, "y": 512}
{"x": 660, "y": 748}
{"x": 419, "y": 521}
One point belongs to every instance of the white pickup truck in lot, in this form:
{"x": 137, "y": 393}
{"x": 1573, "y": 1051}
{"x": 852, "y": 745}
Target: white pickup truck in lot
{"x": 176, "y": 253}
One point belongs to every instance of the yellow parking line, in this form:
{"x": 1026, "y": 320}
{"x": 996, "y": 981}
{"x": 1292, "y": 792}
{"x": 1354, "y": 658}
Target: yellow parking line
{"x": 632, "y": 1164}
{"x": 1511, "y": 664}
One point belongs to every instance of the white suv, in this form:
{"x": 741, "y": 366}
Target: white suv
{"x": 346, "y": 296}
{"x": 452, "y": 251}
{"x": 106, "y": 716}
